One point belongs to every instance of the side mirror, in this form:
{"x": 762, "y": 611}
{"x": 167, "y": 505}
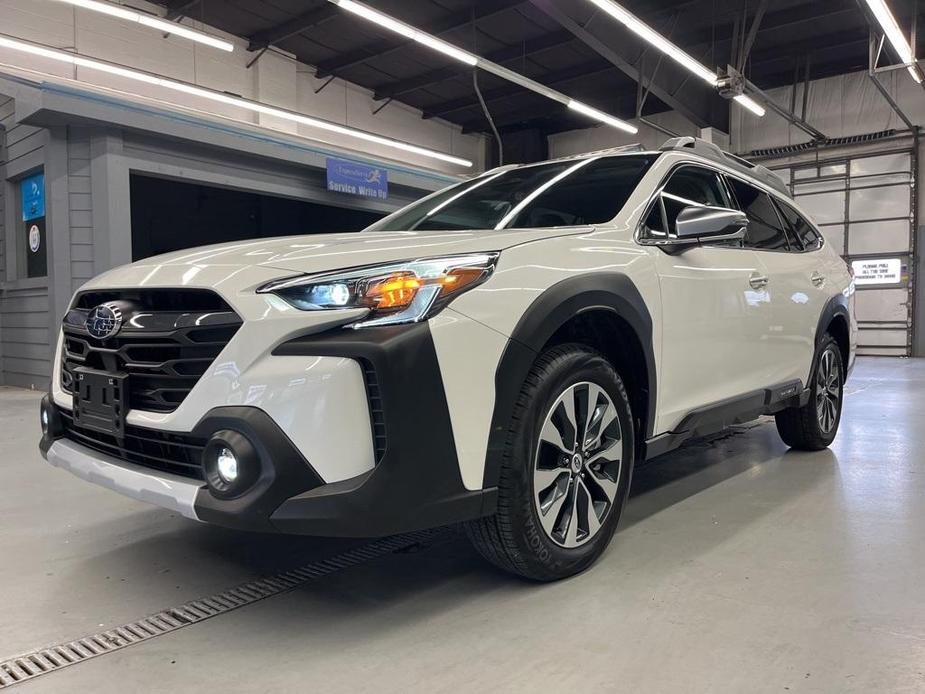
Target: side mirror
{"x": 696, "y": 223}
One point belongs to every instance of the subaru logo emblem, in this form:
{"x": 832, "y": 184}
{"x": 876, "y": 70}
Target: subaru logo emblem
{"x": 104, "y": 321}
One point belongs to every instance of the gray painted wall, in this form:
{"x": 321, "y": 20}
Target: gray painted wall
{"x": 24, "y": 308}
{"x": 80, "y": 206}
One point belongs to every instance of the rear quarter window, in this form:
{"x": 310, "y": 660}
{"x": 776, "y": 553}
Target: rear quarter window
{"x": 805, "y": 233}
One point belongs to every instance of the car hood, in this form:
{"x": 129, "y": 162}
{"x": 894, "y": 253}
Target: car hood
{"x": 264, "y": 259}
{"x": 323, "y": 252}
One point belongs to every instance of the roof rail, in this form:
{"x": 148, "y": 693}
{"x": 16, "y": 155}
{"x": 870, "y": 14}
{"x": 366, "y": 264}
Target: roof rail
{"x": 710, "y": 151}
{"x": 621, "y": 149}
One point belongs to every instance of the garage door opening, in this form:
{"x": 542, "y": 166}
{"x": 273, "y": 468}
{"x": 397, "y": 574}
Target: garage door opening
{"x": 173, "y": 215}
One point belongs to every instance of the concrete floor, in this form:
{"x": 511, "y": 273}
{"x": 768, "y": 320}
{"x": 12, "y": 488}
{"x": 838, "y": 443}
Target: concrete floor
{"x": 739, "y": 566}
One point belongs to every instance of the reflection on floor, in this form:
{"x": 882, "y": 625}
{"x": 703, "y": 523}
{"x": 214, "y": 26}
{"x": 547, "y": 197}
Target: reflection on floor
{"x": 739, "y": 566}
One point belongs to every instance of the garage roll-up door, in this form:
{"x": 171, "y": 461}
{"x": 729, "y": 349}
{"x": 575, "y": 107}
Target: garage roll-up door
{"x": 865, "y": 206}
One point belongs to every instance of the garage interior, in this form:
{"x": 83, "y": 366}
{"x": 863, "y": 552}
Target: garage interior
{"x": 201, "y": 215}
{"x": 738, "y": 565}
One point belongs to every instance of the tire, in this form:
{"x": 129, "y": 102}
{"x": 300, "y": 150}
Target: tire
{"x": 543, "y": 473}
{"x": 813, "y": 426}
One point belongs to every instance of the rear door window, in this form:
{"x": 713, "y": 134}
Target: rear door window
{"x": 808, "y": 237}
{"x": 765, "y": 228}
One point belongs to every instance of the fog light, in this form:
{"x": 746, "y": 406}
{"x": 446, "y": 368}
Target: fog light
{"x": 227, "y": 465}
{"x": 230, "y": 463}
{"x": 49, "y": 419}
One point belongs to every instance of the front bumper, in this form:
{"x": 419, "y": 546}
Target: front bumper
{"x": 415, "y": 484}
{"x": 172, "y": 492}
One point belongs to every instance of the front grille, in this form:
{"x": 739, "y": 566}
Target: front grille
{"x": 179, "y": 454}
{"x": 163, "y": 347}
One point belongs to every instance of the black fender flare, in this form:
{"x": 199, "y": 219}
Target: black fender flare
{"x": 550, "y": 311}
{"x": 837, "y": 305}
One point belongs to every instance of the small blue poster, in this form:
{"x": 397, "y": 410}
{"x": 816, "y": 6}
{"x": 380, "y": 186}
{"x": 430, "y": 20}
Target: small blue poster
{"x": 33, "y": 197}
{"x": 357, "y": 179}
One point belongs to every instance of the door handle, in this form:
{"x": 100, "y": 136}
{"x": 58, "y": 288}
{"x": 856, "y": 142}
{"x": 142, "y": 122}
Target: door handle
{"x": 817, "y": 279}
{"x": 758, "y": 281}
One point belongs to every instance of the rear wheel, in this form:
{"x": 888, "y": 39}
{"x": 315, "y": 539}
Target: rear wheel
{"x": 565, "y": 470}
{"x": 813, "y": 426}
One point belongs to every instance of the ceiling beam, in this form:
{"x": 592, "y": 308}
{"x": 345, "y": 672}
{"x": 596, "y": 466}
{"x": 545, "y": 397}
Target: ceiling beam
{"x": 587, "y": 69}
{"x": 179, "y": 8}
{"x": 752, "y": 34}
{"x": 788, "y": 19}
{"x": 383, "y": 47}
{"x": 280, "y": 32}
{"x": 535, "y": 46}
{"x": 693, "y": 103}
{"x": 818, "y": 46}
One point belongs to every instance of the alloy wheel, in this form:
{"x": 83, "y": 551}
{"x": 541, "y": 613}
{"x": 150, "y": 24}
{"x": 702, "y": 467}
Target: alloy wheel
{"x": 576, "y": 472}
{"x": 828, "y": 391}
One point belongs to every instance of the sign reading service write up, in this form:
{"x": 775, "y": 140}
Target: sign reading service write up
{"x": 877, "y": 271}
{"x": 353, "y": 178}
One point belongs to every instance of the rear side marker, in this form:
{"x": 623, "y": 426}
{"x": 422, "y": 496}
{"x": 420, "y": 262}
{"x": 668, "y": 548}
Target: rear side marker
{"x": 51, "y": 659}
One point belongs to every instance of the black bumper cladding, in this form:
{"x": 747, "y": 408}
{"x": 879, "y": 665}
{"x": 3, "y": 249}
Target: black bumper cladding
{"x": 416, "y": 483}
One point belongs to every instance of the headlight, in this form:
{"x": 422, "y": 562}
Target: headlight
{"x": 404, "y": 292}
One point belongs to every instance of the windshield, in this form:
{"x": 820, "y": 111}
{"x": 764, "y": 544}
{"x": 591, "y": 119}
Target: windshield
{"x": 569, "y": 193}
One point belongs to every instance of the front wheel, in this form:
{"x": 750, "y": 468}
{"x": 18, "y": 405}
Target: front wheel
{"x": 565, "y": 469}
{"x": 813, "y": 426}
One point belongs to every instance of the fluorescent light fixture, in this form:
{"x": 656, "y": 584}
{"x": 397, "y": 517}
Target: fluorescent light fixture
{"x": 644, "y": 31}
{"x": 472, "y": 60}
{"x": 891, "y": 30}
{"x": 750, "y": 104}
{"x": 601, "y": 116}
{"x": 895, "y": 36}
{"x": 652, "y": 37}
{"x": 409, "y": 32}
{"x": 202, "y": 92}
{"x": 151, "y": 21}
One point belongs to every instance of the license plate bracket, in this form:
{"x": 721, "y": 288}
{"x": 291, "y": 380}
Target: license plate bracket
{"x": 100, "y": 401}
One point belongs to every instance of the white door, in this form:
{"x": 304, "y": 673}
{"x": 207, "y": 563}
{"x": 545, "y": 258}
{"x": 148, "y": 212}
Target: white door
{"x": 715, "y": 310}
{"x": 797, "y": 281}
{"x": 715, "y": 319}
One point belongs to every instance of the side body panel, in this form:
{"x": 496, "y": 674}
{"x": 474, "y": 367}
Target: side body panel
{"x": 796, "y": 304}
{"x": 716, "y": 330}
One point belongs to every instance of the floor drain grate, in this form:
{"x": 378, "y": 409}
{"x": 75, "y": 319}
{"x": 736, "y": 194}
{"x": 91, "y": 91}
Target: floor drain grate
{"x": 43, "y": 661}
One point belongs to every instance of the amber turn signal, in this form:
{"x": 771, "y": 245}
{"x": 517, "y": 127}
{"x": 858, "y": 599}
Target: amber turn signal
{"x": 398, "y": 290}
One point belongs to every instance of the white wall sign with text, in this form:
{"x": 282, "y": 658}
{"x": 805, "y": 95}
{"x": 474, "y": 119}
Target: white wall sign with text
{"x": 879, "y": 271}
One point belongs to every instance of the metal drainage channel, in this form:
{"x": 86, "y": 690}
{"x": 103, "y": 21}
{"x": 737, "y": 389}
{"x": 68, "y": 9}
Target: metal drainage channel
{"x": 53, "y": 658}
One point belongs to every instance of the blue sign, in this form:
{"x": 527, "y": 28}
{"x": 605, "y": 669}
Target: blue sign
{"x": 357, "y": 179}
{"x": 33, "y": 197}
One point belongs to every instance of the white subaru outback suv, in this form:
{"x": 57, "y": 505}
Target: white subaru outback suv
{"x": 498, "y": 354}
